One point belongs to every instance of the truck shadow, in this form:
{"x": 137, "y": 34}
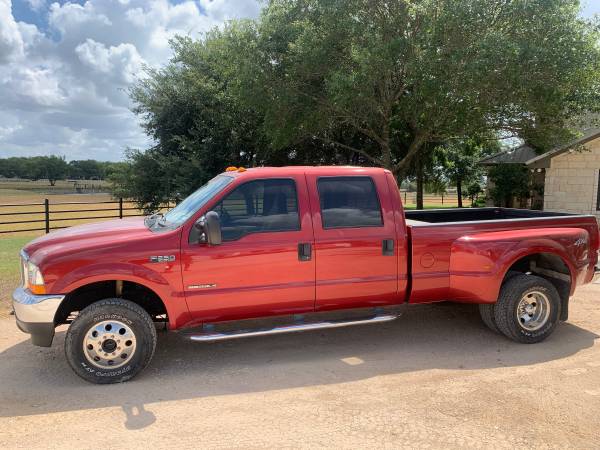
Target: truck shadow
{"x": 444, "y": 336}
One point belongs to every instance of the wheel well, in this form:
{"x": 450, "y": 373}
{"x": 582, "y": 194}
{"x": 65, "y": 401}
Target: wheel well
{"x": 551, "y": 267}
{"x": 86, "y": 295}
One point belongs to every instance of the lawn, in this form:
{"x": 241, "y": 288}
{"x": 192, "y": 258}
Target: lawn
{"x": 10, "y": 276}
{"x": 28, "y": 206}
{"x": 60, "y": 186}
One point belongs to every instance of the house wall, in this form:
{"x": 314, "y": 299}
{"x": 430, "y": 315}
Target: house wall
{"x": 572, "y": 181}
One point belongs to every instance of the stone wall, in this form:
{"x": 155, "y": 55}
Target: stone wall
{"x": 572, "y": 181}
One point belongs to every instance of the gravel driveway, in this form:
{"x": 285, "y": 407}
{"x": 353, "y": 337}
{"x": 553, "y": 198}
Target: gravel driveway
{"x": 434, "y": 378}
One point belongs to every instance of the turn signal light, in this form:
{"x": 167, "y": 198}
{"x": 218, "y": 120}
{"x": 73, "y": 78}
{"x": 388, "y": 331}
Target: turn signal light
{"x": 37, "y": 289}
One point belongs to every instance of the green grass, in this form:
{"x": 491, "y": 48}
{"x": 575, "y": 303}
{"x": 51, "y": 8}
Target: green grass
{"x": 10, "y": 276}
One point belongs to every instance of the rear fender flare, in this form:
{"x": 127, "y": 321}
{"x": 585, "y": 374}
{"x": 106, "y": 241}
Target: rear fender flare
{"x": 479, "y": 263}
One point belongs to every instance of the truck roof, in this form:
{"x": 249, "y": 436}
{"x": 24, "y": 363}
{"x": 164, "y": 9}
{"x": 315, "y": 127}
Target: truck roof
{"x": 318, "y": 170}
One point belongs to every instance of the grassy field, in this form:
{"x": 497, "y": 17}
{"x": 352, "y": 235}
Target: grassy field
{"x": 11, "y": 243}
{"x": 60, "y": 186}
{"x": 28, "y": 206}
{"x": 9, "y": 268}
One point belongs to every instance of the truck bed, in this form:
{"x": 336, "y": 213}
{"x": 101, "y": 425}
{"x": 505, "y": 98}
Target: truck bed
{"x": 423, "y": 217}
{"x": 438, "y": 238}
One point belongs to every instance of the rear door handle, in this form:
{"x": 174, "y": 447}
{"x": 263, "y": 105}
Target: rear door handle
{"x": 304, "y": 251}
{"x": 387, "y": 247}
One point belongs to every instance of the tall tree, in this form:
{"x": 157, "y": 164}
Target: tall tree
{"x": 459, "y": 161}
{"x": 509, "y": 181}
{"x": 405, "y": 73}
{"x": 198, "y": 126}
{"x": 53, "y": 168}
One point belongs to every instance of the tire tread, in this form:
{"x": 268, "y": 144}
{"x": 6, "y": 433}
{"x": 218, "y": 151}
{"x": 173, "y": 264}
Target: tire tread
{"x": 111, "y": 304}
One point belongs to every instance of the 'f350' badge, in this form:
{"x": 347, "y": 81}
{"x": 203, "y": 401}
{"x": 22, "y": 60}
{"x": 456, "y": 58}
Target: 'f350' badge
{"x": 162, "y": 258}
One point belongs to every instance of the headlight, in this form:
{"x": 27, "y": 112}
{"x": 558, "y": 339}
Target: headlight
{"x": 33, "y": 278}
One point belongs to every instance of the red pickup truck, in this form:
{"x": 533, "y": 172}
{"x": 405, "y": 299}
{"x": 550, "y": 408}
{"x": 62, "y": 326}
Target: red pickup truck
{"x": 301, "y": 248}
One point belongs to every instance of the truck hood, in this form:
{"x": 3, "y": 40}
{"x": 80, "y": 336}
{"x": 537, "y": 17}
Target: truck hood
{"x": 93, "y": 235}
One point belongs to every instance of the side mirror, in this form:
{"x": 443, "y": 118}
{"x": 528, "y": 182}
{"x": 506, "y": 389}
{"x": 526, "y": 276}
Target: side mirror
{"x": 209, "y": 226}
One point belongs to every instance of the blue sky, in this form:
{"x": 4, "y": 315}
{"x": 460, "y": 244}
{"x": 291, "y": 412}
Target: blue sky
{"x": 591, "y": 7}
{"x": 65, "y": 67}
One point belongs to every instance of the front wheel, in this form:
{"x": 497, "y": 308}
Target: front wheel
{"x": 110, "y": 341}
{"x": 528, "y": 309}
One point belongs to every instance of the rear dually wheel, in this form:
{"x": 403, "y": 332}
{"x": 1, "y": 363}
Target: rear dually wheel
{"x": 528, "y": 309}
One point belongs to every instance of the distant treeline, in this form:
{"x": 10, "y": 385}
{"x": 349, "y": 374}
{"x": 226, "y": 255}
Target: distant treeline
{"x": 55, "y": 168}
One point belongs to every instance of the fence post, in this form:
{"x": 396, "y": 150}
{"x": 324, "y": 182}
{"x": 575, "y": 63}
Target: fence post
{"x": 442, "y": 198}
{"x": 405, "y": 197}
{"x": 47, "y": 214}
{"x": 120, "y": 207}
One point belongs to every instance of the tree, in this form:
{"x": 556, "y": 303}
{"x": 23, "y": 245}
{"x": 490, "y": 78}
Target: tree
{"x": 459, "y": 161}
{"x": 407, "y": 73}
{"x": 509, "y": 181}
{"x": 198, "y": 125}
{"x": 86, "y": 169}
{"x": 53, "y": 168}
{"x": 473, "y": 191}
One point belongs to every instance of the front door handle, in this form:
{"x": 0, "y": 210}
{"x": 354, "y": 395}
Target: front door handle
{"x": 387, "y": 247}
{"x": 304, "y": 251}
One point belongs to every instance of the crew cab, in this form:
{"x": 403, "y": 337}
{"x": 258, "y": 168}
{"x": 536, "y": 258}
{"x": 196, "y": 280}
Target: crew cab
{"x": 299, "y": 248}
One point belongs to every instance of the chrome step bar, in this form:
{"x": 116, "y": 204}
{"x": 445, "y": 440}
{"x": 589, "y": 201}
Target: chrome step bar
{"x": 212, "y": 337}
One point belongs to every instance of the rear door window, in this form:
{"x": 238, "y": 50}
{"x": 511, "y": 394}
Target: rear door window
{"x": 349, "y": 202}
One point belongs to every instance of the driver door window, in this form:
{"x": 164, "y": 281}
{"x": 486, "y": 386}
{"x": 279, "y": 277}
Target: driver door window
{"x": 257, "y": 207}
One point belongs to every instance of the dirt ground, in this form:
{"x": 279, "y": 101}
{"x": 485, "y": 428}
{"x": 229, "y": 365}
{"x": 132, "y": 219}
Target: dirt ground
{"x": 436, "y": 378}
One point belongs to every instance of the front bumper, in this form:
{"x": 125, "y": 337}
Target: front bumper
{"x": 35, "y": 315}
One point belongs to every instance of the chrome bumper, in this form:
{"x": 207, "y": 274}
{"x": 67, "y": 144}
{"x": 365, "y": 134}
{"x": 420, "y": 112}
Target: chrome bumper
{"x": 35, "y": 314}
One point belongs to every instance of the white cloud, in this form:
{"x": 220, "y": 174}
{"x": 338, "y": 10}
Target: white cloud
{"x": 121, "y": 62}
{"x": 63, "y": 90}
{"x": 11, "y": 41}
{"x": 36, "y": 5}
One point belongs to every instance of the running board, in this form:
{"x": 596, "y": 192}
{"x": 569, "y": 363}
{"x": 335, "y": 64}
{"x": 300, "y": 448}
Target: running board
{"x": 212, "y": 337}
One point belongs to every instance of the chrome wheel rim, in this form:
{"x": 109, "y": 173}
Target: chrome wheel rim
{"x": 109, "y": 344}
{"x": 533, "y": 310}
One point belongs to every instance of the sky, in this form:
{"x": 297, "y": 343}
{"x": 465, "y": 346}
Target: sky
{"x": 65, "y": 67}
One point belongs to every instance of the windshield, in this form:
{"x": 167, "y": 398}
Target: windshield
{"x": 186, "y": 209}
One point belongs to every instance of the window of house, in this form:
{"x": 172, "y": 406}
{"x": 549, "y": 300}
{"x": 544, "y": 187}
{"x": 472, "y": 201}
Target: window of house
{"x": 349, "y": 202}
{"x": 259, "y": 206}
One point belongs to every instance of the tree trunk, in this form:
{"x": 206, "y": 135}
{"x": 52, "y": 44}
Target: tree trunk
{"x": 419, "y": 162}
{"x": 459, "y": 192}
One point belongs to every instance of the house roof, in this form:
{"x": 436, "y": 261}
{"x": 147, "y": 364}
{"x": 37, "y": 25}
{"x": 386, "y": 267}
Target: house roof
{"x": 527, "y": 156}
{"x": 518, "y": 155}
{"x": 544, "y": 160}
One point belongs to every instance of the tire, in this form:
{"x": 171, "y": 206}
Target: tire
{"x": 528, "y": 309}
{"x": 114, "y": 330}
{"x": 486, "y": 311}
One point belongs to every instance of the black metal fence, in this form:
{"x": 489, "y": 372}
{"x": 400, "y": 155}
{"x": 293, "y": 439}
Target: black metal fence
{"x": 49, "y": 216}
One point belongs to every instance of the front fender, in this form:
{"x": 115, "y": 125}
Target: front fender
{"x": 172, "y": 298}
{"x": 479, "y": 262}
